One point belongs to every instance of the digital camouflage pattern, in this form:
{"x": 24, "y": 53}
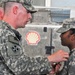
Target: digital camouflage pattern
{"x": 69, "y": 66}
{"x": 26, "y": 3}
{"x": 12, "y": 52}
{"x": 67, "y": 24}
{"x": 69, "y": 21}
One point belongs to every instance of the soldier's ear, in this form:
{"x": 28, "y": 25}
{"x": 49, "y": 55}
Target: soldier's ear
{"x": 73, "y": 37}
{"x": 15, "y": 9}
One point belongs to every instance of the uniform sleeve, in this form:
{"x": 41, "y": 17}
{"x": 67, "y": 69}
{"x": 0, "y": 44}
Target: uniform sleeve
{"x": 19, "y": 63}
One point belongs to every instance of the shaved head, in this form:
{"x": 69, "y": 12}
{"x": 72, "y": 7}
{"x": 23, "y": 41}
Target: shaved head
{"x": 9, "y": 5}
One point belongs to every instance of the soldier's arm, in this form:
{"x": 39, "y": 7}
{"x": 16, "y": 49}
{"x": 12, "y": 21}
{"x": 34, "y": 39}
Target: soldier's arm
{"x": 19, "y": 63}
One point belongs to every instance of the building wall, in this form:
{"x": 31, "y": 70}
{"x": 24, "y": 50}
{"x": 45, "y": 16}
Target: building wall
{"x": 48, "y": 38}
{"x": 61, "y": 3}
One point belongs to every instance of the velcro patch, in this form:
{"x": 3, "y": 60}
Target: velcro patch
{"x": 14, "y": 47}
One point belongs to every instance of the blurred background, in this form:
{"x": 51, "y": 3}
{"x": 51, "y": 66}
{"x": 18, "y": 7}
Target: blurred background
{"x": 39, "y": 36}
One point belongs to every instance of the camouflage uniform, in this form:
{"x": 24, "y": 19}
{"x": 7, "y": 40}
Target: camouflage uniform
{"x": 69, "y": 66}
{"x": 12, "y": 54}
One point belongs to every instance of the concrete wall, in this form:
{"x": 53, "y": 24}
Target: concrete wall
{"x": 39, "y": 49}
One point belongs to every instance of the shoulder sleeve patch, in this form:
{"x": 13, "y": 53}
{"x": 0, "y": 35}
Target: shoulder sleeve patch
{"x": 14, "y": 48}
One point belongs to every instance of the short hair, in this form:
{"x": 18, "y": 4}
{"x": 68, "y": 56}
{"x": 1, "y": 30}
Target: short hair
{"x": 8, "y": 5}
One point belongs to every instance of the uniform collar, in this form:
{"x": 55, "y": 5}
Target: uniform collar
{"x": 18, "y": 35}
{"x": 7, "y": 24}
{"x": 71, "y": 51}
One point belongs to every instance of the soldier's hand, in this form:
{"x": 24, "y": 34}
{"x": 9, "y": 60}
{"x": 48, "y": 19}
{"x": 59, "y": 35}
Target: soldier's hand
{"x": 55, "y": 69}
{"x": 58, "y": 56}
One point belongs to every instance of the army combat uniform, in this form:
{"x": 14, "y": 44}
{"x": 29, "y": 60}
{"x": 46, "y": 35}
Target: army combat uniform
{"x": 69, "y": 66}
{"x": 12, "y": 59}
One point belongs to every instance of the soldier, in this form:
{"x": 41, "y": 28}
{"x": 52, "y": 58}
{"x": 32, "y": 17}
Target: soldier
{"x": 68, "y": 39}
{"x": 12, "y": 59}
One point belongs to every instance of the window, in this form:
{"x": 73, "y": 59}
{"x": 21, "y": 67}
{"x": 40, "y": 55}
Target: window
{"x": 58, "y": 15}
